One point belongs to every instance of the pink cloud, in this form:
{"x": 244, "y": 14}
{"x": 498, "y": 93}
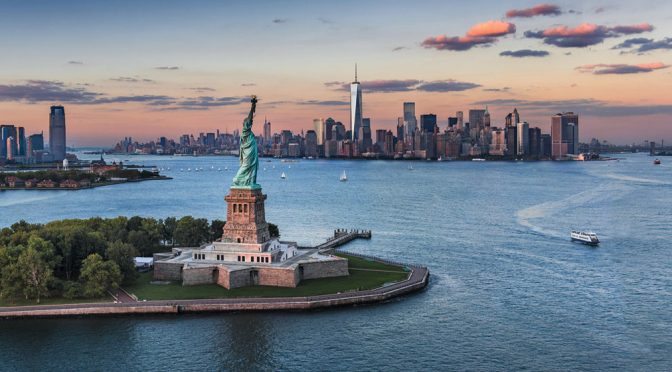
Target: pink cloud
{"x": 537, "y": 10}
{"x": 620, "y": 69}
{"x": 491, "y": 29}
{"x": 585, "y": 34}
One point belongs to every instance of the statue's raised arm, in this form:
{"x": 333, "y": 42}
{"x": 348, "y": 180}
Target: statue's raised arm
{"x": 249, "y": 159}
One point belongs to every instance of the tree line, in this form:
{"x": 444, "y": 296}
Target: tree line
{"x": 87, "y": 257}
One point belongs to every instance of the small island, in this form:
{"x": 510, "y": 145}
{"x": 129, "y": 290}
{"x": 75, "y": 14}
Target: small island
{"x": 96, "y": 175}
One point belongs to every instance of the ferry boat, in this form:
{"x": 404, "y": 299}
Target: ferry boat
{"x": 585, "y": 237}
{"x": 656, "y": 162}
{"x": 283, "y": 175}
{"x": 344, "y": 177}
{"x": 477, "y": 159}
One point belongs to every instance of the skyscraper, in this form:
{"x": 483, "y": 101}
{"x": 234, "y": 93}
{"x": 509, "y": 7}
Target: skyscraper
{"x": 355, "y": 107}
{"x": 57, "y": 133}
{"x": 476, "y": 119}
{"x": 267, "y": 131}
{"x": 523, "y": 138}
{"x": 460, "y": 119}
{"x": 410, "y": 121}
{"x": 6, "y": 131}
{"x": 564, "y": 134}
{"x": 428, "y": 123}
{"x": 516, "y": 117}
{"x": 318, "y": 126}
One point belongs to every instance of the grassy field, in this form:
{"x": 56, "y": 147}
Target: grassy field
{"x": 361, "y": 278}
{"x": 52, "y": 301}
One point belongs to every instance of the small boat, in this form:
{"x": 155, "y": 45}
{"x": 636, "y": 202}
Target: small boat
{"x": 219, "y": 169}
{"x": 656, "y": 162}
{"x": 188, "y": 169}
{"x": 584, "y": 237}
{"x": 283, "y": 175}
{"x": 477, "y": 159}
{"x": 344, "y": 177}
{"x": 439, "y": 159}
{"x": 410, "y": 167}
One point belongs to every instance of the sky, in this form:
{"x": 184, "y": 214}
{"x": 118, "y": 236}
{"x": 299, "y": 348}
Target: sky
{"x": 164, "y": 68}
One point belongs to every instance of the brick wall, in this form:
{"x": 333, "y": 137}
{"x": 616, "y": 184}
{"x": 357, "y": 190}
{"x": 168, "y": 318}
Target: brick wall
{"x": 167, "y": 271}
{"x": 278, "y": 277}
{"x": 324, "y": 269}
{"x": 198, "y": 275}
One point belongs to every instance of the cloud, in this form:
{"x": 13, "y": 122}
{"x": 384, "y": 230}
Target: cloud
{"x": 456, "y": 43}
{"x": 524, "y": 53}
{"x": 75, "y": 62}
{"x": 152, "y": 100}
{"x": 399, "y": 48}
{"x": 491, "y": 29}
{"x": 325, "y": 20}
{"x": 202, "y": 89}
{"x": 588, "y": 107}
{"x": 537, "y": 10}
{"x": 643, "y": 45}
{"x": 205, "y": 102}
{"x": 620, "y": 69}
{"x": 446, "y": 86}
{"x": 323, "y": 103}
{"x": 334, "y": 84}
{"x": 482, "y": 34}
{"x": 126, "y": 79}
{"x": 408, "y": 85}
{"x": 505, "y": 89}
{"x": 585, "y": 34}
{"x": 167, "y": 68}
{"x": 280, "y": 20}
{"x": 33, "y": 91}
{"x": 387, "y": 86}
{"x": 248, "y": 84}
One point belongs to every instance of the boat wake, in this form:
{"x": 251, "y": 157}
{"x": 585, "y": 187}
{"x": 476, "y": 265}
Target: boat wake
{"x": 532, "y": 217}
{"x": 622, "y": 177}
{"x": 15, "y": 201}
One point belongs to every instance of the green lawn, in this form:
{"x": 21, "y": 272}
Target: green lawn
{"x": 51, "y": 301}
{"x": 359, "y": 279}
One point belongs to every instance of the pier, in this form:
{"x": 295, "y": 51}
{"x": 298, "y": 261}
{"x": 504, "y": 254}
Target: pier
{"x": 341, "y": 237}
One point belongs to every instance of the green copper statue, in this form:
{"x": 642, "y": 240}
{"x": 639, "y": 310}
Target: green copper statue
{"x": 246, "y": 178}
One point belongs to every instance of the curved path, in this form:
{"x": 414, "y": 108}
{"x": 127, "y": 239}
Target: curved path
{"x": 416, "y": 281}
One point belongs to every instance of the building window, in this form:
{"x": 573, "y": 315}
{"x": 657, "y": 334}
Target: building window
{"x": 243, "y": 258}
{"x": 245, "y": 207}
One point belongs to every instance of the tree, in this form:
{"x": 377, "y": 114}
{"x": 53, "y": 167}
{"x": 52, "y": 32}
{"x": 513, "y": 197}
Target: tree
{"x": 98, "y": 276}
{"x": 123, "y": 254}
{"x": 191, "y": 232}
{"x": 216, "y": 229}
{"x": 168, "y": 230}
{"x": 35, "y": 273}
{"x": 273, "y": 230}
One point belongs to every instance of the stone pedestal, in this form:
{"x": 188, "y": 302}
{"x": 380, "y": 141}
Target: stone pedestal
{"x": 245, "y": 216}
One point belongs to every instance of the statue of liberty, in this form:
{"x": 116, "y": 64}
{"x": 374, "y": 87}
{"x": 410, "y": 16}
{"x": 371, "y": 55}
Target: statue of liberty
{"x": 246, "y": 178}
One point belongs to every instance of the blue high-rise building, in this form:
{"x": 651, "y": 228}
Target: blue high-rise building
{"x": 57, "y": 133}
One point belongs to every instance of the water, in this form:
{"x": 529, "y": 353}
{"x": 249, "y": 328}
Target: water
{"x": 508, "y": 290}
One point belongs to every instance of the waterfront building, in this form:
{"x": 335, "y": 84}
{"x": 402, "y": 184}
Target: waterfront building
{"x": 400, "y": 129}
{"x": 355, "y": 107}
{"x": 564, "y": 134}
{"x": 57, "y": 136}
{"x": 365, "y": 140}
{"x": 498, "y": 142}
{"x": 311, "y": 143}
{"x": 338, "y": 132}
{"x": 535, "y": 141}
{"x": 516, "y": 116}
{"x": 452, "y": 121}
{"x": 6, "y": 131}
{"x": 523, "y": 133}
{"x": 511, "y": 140}
{"x": 10, "y": 144}
{"x": 486, "y": 118}
{"x": 328, "y": 128}
{"x": 545, "y": 145}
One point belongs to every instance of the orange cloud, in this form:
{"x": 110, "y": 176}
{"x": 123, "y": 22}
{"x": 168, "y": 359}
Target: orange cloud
{"x": 541, "y": 9}
{"x": 491, "y": 29}
{"x": 580, "y": 30}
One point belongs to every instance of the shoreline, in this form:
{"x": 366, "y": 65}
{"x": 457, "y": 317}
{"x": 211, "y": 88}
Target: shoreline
{"x": 416, "y": 281}
{"x": 161, "y": 178}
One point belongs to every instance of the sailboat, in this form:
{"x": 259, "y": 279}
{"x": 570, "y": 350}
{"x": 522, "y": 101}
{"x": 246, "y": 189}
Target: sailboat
{"x": 344, "y": 177}
{"x": 283, "y": 176}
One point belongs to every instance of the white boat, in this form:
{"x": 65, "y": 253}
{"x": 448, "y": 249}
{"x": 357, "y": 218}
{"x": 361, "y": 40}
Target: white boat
{"x": 344, "y": 177}
{"x": 188, "y": 169}
{"x": 589, "y": 238}
{"x": 283, "y": 176}
{"x": 439, "y": 159}
{"x": 477, "y": 159}
{"x": 219, "y": 169}
{"x": 410, "y": 167}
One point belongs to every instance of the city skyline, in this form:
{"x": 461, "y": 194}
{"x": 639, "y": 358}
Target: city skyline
{"x": 599, "y": 61}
